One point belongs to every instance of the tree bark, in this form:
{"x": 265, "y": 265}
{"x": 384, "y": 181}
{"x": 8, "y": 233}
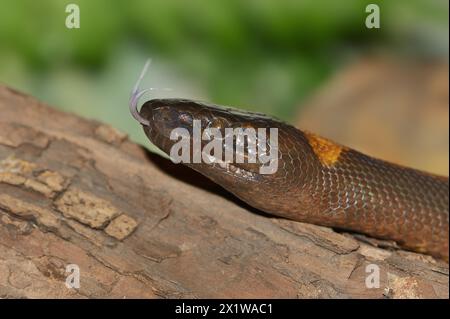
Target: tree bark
{"x": 78, "y": 192}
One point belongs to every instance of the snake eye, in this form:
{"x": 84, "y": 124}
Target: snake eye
{"x": 217, "y": 122}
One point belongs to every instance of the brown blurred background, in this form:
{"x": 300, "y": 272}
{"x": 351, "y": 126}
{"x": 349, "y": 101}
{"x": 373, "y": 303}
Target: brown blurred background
{"x": 395, "y": 109}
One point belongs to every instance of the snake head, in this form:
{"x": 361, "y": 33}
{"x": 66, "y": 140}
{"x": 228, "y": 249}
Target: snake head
{"x": 171, "y": 121}
{"x": 235, "y": 143}
{"x": 238, "y": 144}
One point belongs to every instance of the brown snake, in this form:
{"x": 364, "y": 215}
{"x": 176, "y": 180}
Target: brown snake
{"x": 317, "y": 181}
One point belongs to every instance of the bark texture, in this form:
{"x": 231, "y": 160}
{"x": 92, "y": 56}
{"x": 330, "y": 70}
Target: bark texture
{"x": 76, "y": 191}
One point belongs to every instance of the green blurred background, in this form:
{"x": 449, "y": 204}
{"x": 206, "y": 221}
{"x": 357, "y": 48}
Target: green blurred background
{"x": 258, "y": 54}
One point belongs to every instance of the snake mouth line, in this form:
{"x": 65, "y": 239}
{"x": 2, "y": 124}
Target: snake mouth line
{"x": 230, "y": 168}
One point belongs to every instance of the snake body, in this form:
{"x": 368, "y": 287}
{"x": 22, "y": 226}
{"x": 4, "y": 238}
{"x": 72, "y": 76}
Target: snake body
{"x": 318, "y": 181}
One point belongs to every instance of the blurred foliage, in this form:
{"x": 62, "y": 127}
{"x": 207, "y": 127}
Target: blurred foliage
{"x": 265, "y": 55}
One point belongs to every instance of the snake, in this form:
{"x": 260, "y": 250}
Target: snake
{"x": 317, "y": 181}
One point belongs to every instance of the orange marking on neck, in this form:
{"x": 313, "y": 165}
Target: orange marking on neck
{"x": 327, "y": 151}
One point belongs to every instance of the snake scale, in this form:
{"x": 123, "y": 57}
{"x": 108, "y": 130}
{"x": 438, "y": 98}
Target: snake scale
{"x": 317, "y": 181}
